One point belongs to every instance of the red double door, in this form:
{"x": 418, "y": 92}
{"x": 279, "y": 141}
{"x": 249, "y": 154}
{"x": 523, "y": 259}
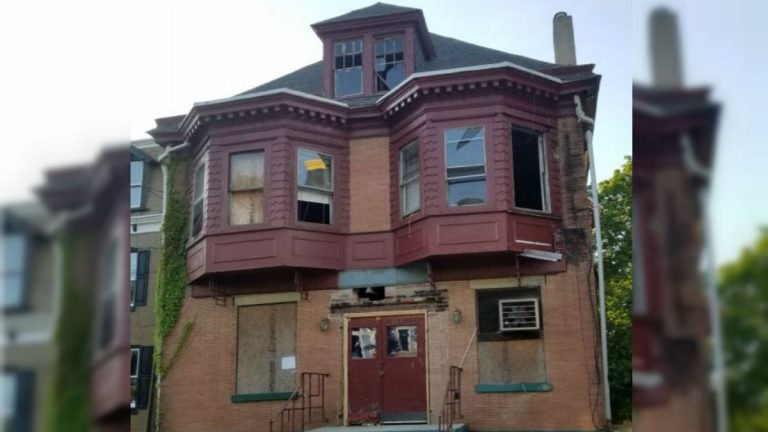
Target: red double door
{"x": 387, "y": 380}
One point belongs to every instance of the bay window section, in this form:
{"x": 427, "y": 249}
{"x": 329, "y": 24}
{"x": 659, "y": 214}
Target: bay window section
{"x": 246, "y": 188}
{"x": 390, "y": 67}
{"x": 348, "y": 67}
{"x": 315, "y": 187}
{"x": 465, "y": 166}
{"x": 410, "y": 179}
{"x": 198, "y": 198}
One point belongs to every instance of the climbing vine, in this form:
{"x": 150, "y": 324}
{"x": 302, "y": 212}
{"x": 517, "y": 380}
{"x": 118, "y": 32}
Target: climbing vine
{"x": 171, "y": 279}
{"x": 67, "y": 399}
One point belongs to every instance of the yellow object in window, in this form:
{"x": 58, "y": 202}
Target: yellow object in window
{"x": 314, "y": 164}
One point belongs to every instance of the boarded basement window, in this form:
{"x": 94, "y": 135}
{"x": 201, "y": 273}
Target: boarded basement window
{"x": 246, "y": 188}
{"x": 530, "y": 170}
{"x": 266, "y": 348}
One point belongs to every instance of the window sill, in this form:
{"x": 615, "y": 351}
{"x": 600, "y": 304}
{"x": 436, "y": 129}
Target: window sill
{"x": 261, "y": 397}
{"x": 514, "y": 388}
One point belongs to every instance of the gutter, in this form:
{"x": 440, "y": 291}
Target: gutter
{"x": 164, "y": 168}
{"x": 582, "y": 117}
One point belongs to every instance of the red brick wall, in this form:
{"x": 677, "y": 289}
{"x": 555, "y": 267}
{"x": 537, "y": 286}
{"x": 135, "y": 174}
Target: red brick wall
{"x": 368, "y": 180}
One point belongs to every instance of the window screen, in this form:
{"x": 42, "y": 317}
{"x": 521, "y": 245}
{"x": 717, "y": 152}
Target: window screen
{"x": 530, "y": 172}
{"x": 390, "y": 68}
{"x": 315, "y": 187}
{"x": 465, "y": 166}
{"x": 348, "y": 67}
{"x": 246, "y": 188}
{"x": 410, "y": 182}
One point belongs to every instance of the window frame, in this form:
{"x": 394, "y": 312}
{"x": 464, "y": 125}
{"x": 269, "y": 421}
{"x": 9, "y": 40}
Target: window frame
{"x": 374, "y": 57}
{"x": 466, "y": 178}
{"x": 138, "y": 363}
{"x": 263, "y": 188}
{"x": 546, "y": 203}
{"x": 403, "y": 183}
{"x": 502, "y": 302}
{"x": 360, "y": 68}
{"x": 331, "y": 193}
{"x": 22, "y": 273}
{"x": 194, "y": 201}
{"x": 133, "y": 275}
{"x": 139, "y": 185}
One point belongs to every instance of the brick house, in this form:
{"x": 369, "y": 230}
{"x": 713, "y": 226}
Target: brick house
{"x": 406, "y": 220}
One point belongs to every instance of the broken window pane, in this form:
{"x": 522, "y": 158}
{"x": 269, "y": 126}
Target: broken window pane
{"x": 348, "y": 67}
{"x": 465, "y": 166}
{"x": 390, "y": 68}
{"x": 364, "y": 343}
{"x": 401, "y": 341}
{"x": 529, "y": 170}
{"x": 315, "y": 187}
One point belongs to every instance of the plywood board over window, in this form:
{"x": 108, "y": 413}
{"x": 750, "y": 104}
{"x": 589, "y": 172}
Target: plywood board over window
{"x": 266, "y": 348}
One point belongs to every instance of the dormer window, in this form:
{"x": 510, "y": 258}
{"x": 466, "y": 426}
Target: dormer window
{"x": 348, "y": 67}
{"x": 390, "y": 66}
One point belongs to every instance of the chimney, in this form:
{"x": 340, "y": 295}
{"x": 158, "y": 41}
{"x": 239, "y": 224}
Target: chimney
{"x": 665, "y": 50}
{"x": 565, "y": 50}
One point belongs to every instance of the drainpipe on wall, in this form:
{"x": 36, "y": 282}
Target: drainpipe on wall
{"x": 718, "y": 373}
{"x": 582, "y": 117}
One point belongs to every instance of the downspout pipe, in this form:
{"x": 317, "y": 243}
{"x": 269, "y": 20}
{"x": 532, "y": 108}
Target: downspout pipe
{"x": 164, "y": 168}
{"x": 583, "y": 118}
{"x": 693, "y": 166}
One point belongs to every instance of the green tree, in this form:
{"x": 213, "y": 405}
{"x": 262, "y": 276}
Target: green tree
{"x": 744, "y": 299}
{"x": 616, "y": 218}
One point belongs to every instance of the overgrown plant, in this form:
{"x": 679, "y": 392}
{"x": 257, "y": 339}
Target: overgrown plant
{"x": 67, "y": 401}
{"x": 171, "y": 278}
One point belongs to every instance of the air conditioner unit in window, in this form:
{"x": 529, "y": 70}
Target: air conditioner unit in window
{"x": 519, "y": 314}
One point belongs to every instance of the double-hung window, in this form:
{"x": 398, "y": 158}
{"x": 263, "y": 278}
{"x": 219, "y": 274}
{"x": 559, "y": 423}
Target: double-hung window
{"x": 530, "y": 170}
{"x": 246, "y": 188}
{"x": 410, "y": 181}
{"x": 137, "y": 184}
{"x": 315, "y": 187}
{"x": 198, "y": 200}
{"x": 14, "y": 269}
{"x": 141, "y": 377}
{"x": 390, "y": 67}
{"x": 348, "y": 67}
{"x": 465, "y": 166}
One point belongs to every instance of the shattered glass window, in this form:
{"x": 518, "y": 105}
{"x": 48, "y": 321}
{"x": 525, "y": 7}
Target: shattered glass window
{"x": 401, "y": 341}
{"x": 364, "y": 343}
{"x": 390, "y": 67}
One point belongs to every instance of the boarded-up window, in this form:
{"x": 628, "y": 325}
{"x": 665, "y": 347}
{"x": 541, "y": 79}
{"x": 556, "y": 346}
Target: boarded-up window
{"x": 266, "y": 348}
{"x": 510, "y": 347}
{"x": 246, "y": 188}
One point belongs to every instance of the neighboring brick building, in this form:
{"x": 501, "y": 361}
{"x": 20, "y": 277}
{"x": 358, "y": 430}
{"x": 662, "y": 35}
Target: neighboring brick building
{"x": 410, "y": 203}
{"x": 147, "y": 188}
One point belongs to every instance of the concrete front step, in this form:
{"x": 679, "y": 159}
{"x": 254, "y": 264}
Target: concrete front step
{"x": 390, "y": 428}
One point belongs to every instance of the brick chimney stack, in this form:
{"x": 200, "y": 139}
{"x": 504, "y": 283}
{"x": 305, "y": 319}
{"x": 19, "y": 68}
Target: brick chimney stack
{"x": 666, "y": 63}
{"x": 565, "y": 49}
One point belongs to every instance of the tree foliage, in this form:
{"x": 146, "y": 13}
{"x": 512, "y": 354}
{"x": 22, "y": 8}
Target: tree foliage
{"x": 616, "y": 218}
{"x": 744, "y": 299}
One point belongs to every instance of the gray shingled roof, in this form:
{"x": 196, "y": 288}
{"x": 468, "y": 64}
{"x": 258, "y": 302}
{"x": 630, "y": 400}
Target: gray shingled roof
{"x": 377, "y": 9}
{"x": 451, "y": 53}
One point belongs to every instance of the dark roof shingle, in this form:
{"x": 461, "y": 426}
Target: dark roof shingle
{"x": 377, "y": 9}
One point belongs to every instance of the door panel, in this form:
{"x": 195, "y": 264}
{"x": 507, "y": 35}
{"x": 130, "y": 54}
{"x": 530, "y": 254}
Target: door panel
{"x": 386, "y": 360}
{"x": 364, "y": 381}
{"x": 404, "y": 388}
